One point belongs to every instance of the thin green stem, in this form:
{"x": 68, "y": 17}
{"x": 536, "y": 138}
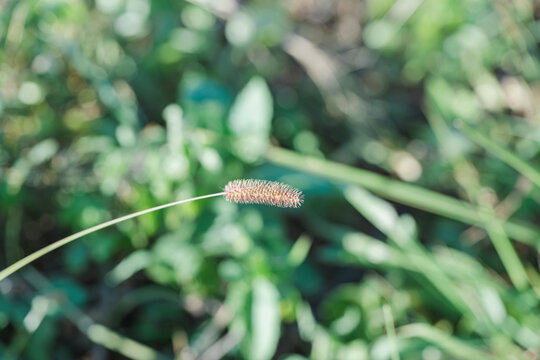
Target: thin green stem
{"x": 469, "y": 181}
{"x": 47, "y": 249}
{"x": 390, "y": 331}
{"x": 503, "y": 154}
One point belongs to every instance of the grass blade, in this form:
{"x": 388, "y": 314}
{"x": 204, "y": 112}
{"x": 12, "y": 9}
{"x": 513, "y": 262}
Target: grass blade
{"x": 451, "y": 345}
{"x": 472, "y": 187}
{"x": 504, "y": 155}
{"x": 398, "y": 191}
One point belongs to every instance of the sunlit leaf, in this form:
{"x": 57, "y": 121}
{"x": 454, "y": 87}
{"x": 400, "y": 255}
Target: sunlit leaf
{"x": 266, "y": 319}
{"x": 250, "y": 119}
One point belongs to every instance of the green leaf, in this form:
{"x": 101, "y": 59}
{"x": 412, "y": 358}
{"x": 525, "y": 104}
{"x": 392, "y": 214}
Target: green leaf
{"x": 133, "y": 263}
{"x": 250, "y": 119}
{"x": 382, "y": 215}
{"x": 307, "y": 325}
{"x": 299, "y": 251}
{"x": 499, "y": 151}
{"x": 266, "y": 319}
{"x": 379, "y": 212}
{"x": 456, "y": 347}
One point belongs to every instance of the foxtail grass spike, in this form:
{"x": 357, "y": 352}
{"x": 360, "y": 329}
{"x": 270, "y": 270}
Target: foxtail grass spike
{"x": 250, "y": 191}
{"x": 240, "y": 191}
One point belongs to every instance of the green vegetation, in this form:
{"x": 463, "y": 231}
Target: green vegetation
{"x": 411, "y": 126}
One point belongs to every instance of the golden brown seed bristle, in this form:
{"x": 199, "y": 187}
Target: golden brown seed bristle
{"x": 250, "y": 191}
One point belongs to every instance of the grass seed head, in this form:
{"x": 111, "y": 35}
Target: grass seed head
{"x": 250, "y": 191}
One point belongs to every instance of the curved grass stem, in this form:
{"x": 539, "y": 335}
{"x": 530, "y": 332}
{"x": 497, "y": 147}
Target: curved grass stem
{"x": 47, "y": 249}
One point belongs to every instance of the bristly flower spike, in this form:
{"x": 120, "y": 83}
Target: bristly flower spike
{"x": 250, "y": 191}
{"x": 240, "y": 191}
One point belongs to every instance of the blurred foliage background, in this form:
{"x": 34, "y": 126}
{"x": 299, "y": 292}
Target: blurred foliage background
{"x": 412, "y": 127}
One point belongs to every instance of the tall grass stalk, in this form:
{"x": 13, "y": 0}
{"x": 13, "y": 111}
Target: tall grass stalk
{"x": 243, "y": 191}
{"x": 470, "y": 182}
{"x": 401, "y": 192}
{"x": 500, "y": 152}
{"x": 55, "y": 245}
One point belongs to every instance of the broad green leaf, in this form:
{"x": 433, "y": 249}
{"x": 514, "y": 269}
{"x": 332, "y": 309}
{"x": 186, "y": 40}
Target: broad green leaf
{"x": 250, "y": 119}
{"x": 133, "y": 263}
{"x": 299, "y": 251}
{"x": 294, "y": 357}
{"x": 307, "y": 325}
{"x": 266, "y": 319}
{"x": 380, "y": 213}
{"x": 43, "y": 151}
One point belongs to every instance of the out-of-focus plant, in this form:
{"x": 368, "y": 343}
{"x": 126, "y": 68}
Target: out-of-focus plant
{"x": 108, "y": 107}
